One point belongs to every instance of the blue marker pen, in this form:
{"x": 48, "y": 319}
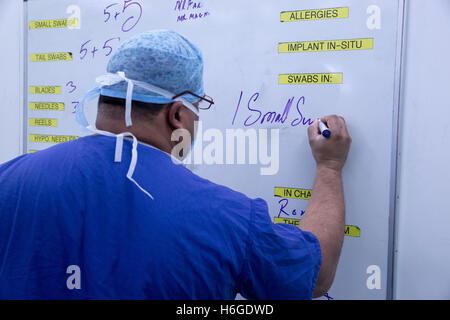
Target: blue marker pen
{"x": 324, "y": 129}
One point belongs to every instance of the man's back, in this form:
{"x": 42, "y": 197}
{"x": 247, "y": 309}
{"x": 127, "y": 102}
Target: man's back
{"x": 71, "y": 205}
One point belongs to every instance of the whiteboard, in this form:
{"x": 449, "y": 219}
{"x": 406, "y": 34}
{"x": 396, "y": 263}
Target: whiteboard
{"x": 271, "y": 67}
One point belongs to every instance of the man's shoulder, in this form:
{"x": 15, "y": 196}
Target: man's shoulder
{"x": 52, "y": 159}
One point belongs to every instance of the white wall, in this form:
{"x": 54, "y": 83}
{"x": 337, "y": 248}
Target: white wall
{"x": 423, "y": 215}
{"x": 11, "y": 78}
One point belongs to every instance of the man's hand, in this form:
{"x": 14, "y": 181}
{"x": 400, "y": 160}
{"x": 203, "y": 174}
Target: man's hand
{"x": 330, "y": 152}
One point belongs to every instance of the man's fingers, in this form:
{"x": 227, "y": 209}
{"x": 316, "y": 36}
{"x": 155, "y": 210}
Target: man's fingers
{"x": 313, "y": 130}
{"x": 336, "y": 124}
{"x": 332, "y": 122}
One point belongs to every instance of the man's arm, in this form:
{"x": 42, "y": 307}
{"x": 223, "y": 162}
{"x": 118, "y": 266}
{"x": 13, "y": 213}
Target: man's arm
{"x": 325, "y": 214}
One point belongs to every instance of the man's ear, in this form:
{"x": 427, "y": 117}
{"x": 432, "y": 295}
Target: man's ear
{"x": 176, "y": 115}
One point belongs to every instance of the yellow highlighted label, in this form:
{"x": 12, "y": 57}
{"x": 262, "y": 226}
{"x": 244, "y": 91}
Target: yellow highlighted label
{"x": 50, "y": 106}
{"x": 43, "y": 138}
{"x": 293, "y": 193}
{"x": 352, "y": 231}
{"x": 45, "y": 90}
{"x": 41, "y": 122}
{"x": 326, "y": 45}
{"x": 55, "y": 56}
{"x": 314, "y": 14}
{"x": 57, "y": 23}
{"x": 295, "y": 222}
{"x": 310, "y": 78}
{"x": 349, "y": 231}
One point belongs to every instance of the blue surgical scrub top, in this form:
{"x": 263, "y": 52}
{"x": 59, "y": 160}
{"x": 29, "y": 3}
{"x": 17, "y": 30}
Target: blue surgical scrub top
{"x": 72, "y": 205}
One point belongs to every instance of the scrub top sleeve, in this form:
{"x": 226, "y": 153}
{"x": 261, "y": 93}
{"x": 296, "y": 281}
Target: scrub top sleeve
{"x": 282, "y": 261}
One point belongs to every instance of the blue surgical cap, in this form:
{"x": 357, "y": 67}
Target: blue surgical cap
{"x": 163, "y": 58}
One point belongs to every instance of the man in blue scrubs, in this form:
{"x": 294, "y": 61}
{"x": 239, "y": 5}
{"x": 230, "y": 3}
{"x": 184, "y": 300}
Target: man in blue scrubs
{"x": 113, "y": 215}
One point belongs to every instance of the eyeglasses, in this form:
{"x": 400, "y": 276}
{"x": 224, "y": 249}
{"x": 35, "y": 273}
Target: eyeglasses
{"x": 204, "y": 103}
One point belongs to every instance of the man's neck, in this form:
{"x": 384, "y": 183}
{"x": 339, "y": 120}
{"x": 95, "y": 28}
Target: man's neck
{"x": 149, "y": 134}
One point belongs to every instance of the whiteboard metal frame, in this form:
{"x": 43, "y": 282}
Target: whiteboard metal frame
{"x": 25, "y": 79}
{"x": 394, "y": 153}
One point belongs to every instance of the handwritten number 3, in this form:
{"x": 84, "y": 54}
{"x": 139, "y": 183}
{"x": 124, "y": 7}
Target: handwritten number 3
{"x": 71, "y": 85}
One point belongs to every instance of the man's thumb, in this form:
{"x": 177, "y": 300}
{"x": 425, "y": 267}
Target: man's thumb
{"x": 313, "y": 130}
